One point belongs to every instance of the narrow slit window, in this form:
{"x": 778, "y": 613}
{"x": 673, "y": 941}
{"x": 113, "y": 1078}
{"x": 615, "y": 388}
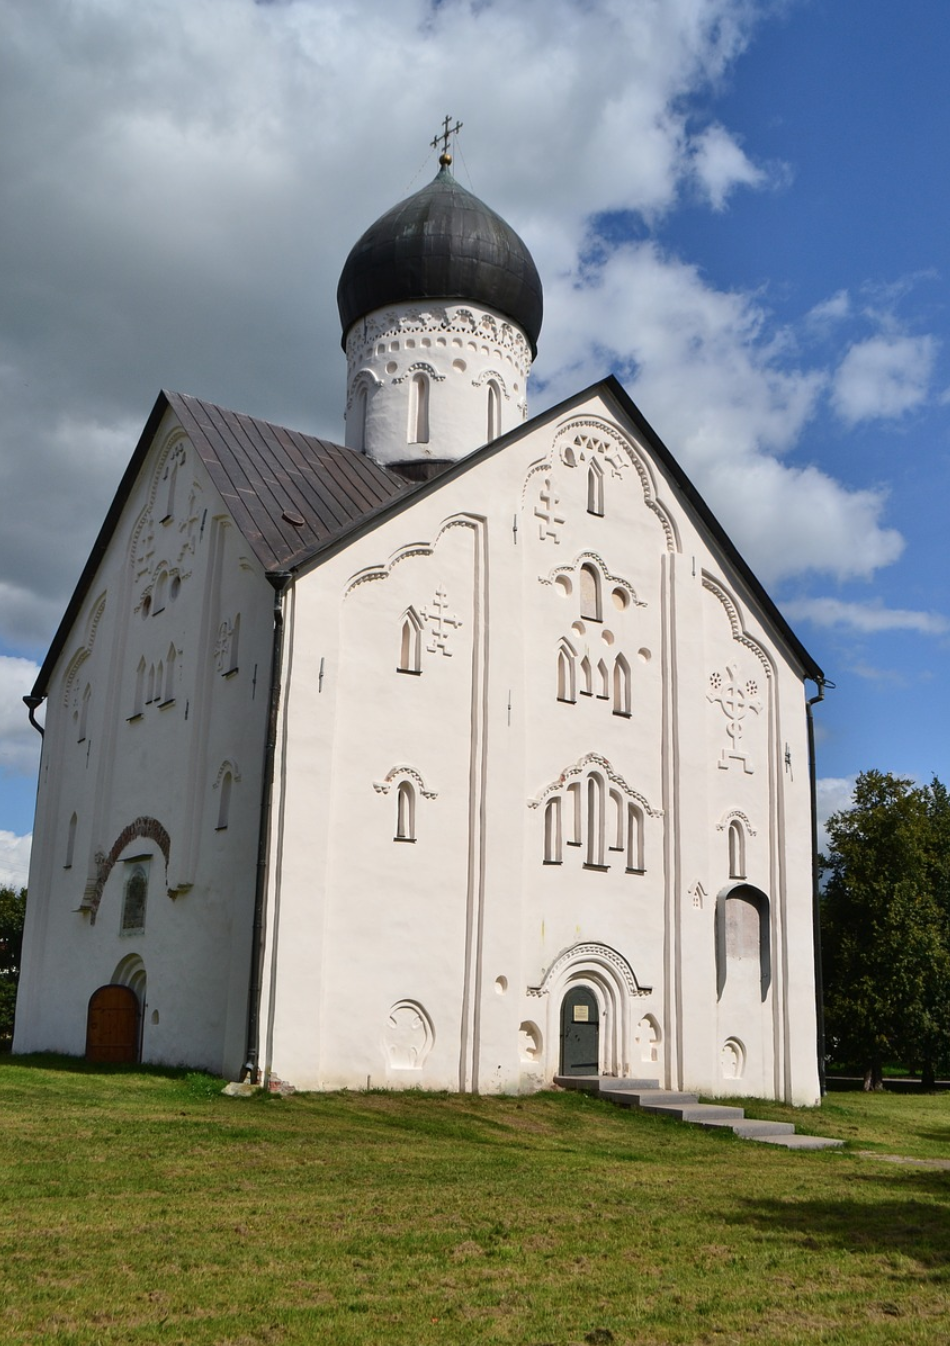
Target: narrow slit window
{"x": 574, "y": 812}
{"x": 591, "y": 608}
{"x": 595, "y": 489}
{"x": 595, "y": 821}
{"x": 170, "y": 667}
{"x": 736, "y": 850}
{"x": 494, "y": 410}
{"x": 150, "y": 690}
{"x": 360, "y": 408}
{"x": 634, "y": 839}
{"x": 587, "y": 677}
{"x": 405, "y": 812}
{"x": 84, "y": 713}
{"x": 419, "y": 409}
{"x": 622, "y": 699}
{"x": 139, "y": 703}
{"x": 617, "y": 815}
{"x": 224, "y": 803}
{"x": 552, "y": 831}
{"x": 603, "y": 681}
{"x": 566, "y": 673}
{"x": 71, "y": 841}
{"x": 410, "y": 643}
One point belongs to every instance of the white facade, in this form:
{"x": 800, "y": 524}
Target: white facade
{"x": 456, "y": 785}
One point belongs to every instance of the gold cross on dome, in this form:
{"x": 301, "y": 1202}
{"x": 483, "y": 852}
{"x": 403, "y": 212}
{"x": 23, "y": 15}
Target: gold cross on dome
{"x": 445, "y": 136}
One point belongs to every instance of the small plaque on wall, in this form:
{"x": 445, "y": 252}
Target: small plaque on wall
{"x": 582, "y": 1014}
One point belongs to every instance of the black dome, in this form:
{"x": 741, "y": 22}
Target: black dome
{"x": 443, "y": 244}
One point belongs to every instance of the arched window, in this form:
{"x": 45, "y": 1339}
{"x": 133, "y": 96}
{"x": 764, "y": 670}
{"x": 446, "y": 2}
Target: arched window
{"x": 494, "y": 410}
{"x": 84, "y": 713}
{"x": 595, "y": 488}
{"x": 736, "y": 850}
{"x": 71, "y": 841}
{"x": 150, "y": 686}
{"x": 234, "y": 644}
{"x": 622, "y": 699}
{"x": 566, "y": 672}
{"x": 603, "y": 681}
{"x": 360, "y": 407}
{"x": 405, "y": 812}
{"x": 171, "y": 478}
{"x": 591, "y": 607}
{"x": 634, "y": 839}
{"x": 139, "y": 704}
{"x": 170, "y": 666}
{"x": 410, "y": 643}
{"x": 587, "y": 677}
{"x": 419, "y": 409}
{"x": 574, "y": 808}
{"x": 159, "y": 681}
{"x": 224, "y": 803}
{"x": 552, "y": 831}
{"x": 617, "y": 818}
{"x": 595, "y": 820}
{"x": 133, "y": 900}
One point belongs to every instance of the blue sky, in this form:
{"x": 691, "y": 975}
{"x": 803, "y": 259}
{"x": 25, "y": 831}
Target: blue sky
{"x": 740, "y": 208}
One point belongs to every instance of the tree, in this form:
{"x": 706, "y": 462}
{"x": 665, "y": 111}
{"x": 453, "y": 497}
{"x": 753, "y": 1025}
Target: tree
{"x": 12, "y": 912}
{"x": 885, "y": 935}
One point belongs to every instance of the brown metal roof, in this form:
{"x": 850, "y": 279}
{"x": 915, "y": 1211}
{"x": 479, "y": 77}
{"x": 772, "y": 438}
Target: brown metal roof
{"x": 289, "y": 493}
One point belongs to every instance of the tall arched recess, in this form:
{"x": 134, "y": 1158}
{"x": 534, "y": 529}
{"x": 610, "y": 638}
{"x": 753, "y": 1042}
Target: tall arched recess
{"x": 743, "y": 938}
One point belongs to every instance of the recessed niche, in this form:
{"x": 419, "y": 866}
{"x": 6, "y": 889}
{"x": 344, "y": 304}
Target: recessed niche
{"x": 579, "y": 629}
{"x": 391, "y": 367}
{"x": 621, "y": 599}
{"x": 174, "y": 589}
{"x": 154, "y": 1016}
{"x": 563, "y": 586}
{"x": 529, "y": 1041}
{"x": 501, "y": 985}
{"x": 644, "y": 656}
{"x": 459, "y": 366}
{"x": 607, "y": 637}
{"x": 410, "y": 344}
{"x": 146, "y": 605}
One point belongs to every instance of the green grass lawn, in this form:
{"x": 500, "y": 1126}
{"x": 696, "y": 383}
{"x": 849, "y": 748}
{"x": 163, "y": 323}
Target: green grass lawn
{"x": 141, "y": 1206}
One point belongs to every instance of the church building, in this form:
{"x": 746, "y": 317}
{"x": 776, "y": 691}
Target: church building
{"x": 460, "y": 756}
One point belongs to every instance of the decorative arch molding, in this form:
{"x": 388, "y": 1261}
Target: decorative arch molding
{"x": 592, "y": 558}
{"x": 421, "y": 367}
{"x": 739, "y": 634}
{"x": 589, "y": 960}
{"x": 739, "y": 816}
{"x": 130, "y": 971}
{"x": 148, "y": 828}
{"x": 83, "y": 653}
{"x": 228, "y": 765}
{"x": 499, "y": 378}
{"x": 174, "y": 444}
{"x": 383, "y": 787}
{"x": 583, "y": 435}
{"x": 534, "y": 470}
{"x": 593, "y": 759}
{"x": 382, "y": 572}
{"x": 365, "y": 378}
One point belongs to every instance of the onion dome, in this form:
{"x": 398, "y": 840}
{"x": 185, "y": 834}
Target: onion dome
{"x": 442, "y": 244}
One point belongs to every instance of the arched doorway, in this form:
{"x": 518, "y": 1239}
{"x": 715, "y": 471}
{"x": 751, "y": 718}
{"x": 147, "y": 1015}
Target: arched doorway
{"x": 112, "y": 1025}
{"x": 580, "y": 1032}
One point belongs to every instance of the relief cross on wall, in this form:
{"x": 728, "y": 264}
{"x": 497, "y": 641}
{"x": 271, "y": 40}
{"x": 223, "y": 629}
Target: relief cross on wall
{"x": 438, "y": 616}
{"x": 736, "y": 700}
{"x": 546, "y": 512}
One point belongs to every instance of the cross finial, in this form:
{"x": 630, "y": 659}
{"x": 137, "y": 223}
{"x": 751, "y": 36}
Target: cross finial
{"x": 445, "y": 136}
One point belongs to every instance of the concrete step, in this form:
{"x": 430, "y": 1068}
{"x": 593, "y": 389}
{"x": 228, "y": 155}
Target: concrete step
{"x": 608, "y": 1082}
{"x": 648, "y": 1098}
{"x": 750, "y": 1128}
{"x": 801, "y": 1142}
{"x": 694, "y": 1112}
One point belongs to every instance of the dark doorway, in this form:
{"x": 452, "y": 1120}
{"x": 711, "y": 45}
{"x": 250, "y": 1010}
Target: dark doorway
{"x": 112, "y": 1025}
{"x": 580, "y": 1033}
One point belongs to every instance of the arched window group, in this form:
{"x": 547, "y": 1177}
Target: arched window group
{"x": 599, "y": 820}
{"x": 155, "y": 683}
{"x": 583, "y": 677}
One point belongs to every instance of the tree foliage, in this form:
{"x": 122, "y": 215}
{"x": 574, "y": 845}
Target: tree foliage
{"x": 12, "y": 912}
{"x": 885, "y": 929}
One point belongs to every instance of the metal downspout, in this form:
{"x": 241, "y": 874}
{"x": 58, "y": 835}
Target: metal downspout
{"x": 33, "y": 704}
{"x": 280, "y": 581}
{"x": 821, "y": 684}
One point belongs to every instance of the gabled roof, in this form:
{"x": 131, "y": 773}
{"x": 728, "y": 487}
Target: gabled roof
{"x": 290, "y": 494}
{"x": 298, "y": 499}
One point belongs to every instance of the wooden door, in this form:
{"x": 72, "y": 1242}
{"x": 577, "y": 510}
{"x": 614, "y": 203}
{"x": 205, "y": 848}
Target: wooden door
{"x": 112, "y": 1025}
{"x": 580, "y": 1033}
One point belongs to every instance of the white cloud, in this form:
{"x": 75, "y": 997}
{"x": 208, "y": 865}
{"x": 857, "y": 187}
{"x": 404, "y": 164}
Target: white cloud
{"x": 869, "y": 618}
{"x": 721, "y": 165}
{"x": 883, "y": 377}
{"x": 830, "y": 311}
{"x": 19, "y": 741}
{"x": 14, "y": 859}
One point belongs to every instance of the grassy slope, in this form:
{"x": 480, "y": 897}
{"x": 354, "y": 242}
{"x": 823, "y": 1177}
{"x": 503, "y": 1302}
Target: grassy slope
{"x": 142, "y": 1207}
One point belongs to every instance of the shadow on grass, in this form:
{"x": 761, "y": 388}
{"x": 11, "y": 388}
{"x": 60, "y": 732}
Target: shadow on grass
{"x": 915, "y": 1226}
{"x": 78, "y": 1065}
